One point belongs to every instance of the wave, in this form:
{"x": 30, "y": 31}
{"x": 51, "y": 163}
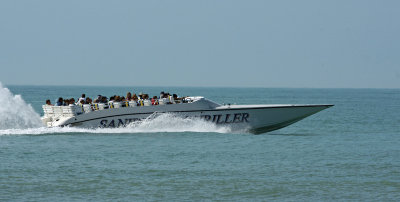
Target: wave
{"x": 15, "y": 113}
{"x": 170, "y": 123}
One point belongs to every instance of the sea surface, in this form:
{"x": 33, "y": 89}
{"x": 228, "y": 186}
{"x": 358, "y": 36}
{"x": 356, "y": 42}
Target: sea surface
{"x": 350, "y": 152}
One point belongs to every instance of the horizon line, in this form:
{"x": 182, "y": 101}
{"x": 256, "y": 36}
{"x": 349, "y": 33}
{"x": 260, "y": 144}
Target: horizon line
{"x": 177, "y": 86}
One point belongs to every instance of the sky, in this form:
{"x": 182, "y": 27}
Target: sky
{"x": 207, "y": 43}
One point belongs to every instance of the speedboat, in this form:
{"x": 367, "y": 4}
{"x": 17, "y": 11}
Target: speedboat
{"x": 255, "y": 119}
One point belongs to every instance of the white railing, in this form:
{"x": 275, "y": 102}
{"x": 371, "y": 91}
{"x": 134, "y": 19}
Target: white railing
{"x": 73, "y": 110}
{"x": 57, "y": 111}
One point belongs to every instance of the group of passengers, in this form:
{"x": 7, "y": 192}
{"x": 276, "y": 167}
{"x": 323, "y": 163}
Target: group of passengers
{"x": 68, "y": 102}
{"x": 166, "y": 97}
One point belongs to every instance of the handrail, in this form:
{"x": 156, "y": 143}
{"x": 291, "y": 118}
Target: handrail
{"x": 72, "y": 110}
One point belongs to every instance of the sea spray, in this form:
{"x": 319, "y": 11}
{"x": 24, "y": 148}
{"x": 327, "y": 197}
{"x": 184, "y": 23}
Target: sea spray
{"x": 170, "y": 122}
{"x": 15, "y": 113}
{"x": 167, "y": 122}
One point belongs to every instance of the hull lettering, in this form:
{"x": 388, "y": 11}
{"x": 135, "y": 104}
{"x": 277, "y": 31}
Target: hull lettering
{"x": 217, "y": 119}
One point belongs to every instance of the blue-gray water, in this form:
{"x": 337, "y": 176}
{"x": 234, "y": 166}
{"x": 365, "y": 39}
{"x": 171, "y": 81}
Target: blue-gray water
{"x": 348, "y": 152}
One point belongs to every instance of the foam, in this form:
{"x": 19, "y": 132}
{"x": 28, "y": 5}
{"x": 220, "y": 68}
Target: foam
{"x": 170, "y": 123}
{"x": 15, "y": 113}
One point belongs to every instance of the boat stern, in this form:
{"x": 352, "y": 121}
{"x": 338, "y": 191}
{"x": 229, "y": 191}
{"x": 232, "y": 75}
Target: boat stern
{"x": 55, "y": 116}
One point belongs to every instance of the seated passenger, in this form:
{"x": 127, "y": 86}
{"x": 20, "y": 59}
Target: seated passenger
{"x": 128, "y": 96}
{"x": 176, "y": 98}
{"x": 88, "y": 101}
{"x": 154, "y": 100}
{"x": 98, "y": 99}
{"x": 134, "y": 97}
{"x": 66, "y": 102}
{"x": 82, "y": 98}
{"x": 171, "y": 99}
{"x": 48, "y": 103}
{"x": 125, "y": 102}
{"x": 72, "y": 101}
{"x": 59, "y": 102}
{"x": 103, "y": 100}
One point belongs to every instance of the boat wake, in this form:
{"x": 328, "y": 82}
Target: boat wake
{"x": 168, "y": 123}
{"x": 19, "y": 118}
{"x": 15, "y": 113}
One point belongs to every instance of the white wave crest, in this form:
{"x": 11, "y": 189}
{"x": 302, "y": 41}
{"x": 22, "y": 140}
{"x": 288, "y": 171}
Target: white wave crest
{"x": 15, "y": 113}
{"x": 170, "y": 123}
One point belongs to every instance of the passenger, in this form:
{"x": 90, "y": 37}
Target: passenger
{"x": 104, "y": 99}
{"x": 88, "y": 101}
{"x": 128, "y": 96}
{"x": 82, "y": 98}
{"x": 134, "y": 97}
{"x": 170, "y": 99}
{"x": 71, "y": 102}
{"x": 162, "y": 94}
{"x": 176, "y": 98}
{"x": 125, "y": 102}
{"x": 154, "y": 100}
{"x": 140, "y": 99}
{"x": 98, "y": 99}
{"x": 82, "y": 102}
{"x": 59, "y": 102}
{"x": 48, "y": 103}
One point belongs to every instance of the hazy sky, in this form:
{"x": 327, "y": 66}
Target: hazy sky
{"x": 336, "y": 43}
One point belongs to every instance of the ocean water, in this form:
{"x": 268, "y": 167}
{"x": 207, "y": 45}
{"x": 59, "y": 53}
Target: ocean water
{"x": 348, "y": 152}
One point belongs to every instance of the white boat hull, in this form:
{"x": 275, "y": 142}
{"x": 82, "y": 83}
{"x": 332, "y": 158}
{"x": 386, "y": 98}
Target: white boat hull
{"x": 253, "y": 118}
